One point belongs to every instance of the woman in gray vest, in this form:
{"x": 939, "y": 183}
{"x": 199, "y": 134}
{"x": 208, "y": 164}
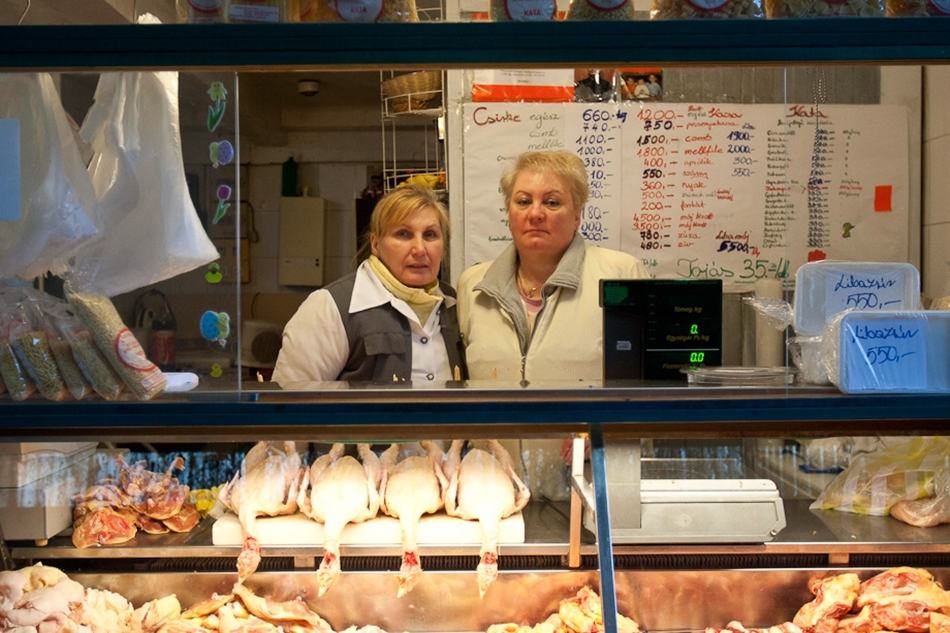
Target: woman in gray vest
{"x": 391, "y": 320}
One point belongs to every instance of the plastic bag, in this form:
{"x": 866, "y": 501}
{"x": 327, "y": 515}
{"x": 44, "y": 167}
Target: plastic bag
{"x": 928, "y": 511}
{"x": 153, "y": 232}
{"x": 91, "y": 362}
{"x": 14, "y": 375}
{"x": 58, "y": 207}
{"x": 118, "y": 344}
{"x": 32, "y": 349}
{"x": 874, "y": 482}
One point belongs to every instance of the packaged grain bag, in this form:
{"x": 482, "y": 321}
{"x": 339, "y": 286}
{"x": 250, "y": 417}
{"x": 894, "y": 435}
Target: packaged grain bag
{"x": 118, "y": 344}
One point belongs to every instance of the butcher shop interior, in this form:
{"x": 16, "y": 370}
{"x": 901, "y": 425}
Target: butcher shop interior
{"x": 502, "y": 316}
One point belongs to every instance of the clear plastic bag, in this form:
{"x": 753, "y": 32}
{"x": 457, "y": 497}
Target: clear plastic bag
{"x": 14, "y": 375}
{"x": 58, "y": 207}
{"x": 875, "y": 481}
{"x": 118, "y": 344}
{"x": 599, "y": 10}
{"x": 153, "y": 232}
{"x": 359, "y": 11}
{"x": 36, "y": 357}
{"x": 679, "y": 9}
{"x": 91, "y": 362}
{"x": 928, "y": 511}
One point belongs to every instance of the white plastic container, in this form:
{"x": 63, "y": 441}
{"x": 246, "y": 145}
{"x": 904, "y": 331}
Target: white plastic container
{"x": 825, "y": 288}
{"x": 891, "y": 352}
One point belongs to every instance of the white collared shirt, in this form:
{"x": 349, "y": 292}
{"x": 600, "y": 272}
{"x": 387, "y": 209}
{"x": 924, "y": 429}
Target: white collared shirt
{"x": 315, "y": 346}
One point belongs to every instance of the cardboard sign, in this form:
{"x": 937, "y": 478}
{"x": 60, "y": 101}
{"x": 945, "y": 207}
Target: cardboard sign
{"x": 884, "y": 354}
{"x": 9, "y": 169}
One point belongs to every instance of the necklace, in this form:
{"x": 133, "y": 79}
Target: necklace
{"x": 528, "y": 292}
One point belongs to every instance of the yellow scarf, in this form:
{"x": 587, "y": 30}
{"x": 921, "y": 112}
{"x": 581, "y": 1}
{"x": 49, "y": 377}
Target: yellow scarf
{"x": 421, "y": 300}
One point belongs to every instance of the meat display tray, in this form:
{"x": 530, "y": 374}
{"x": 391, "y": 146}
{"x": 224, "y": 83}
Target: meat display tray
{"x": 297, "y": 529}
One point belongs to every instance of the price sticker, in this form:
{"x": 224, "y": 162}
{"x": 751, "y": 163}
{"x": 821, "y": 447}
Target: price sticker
{"x": 884, "y": 353}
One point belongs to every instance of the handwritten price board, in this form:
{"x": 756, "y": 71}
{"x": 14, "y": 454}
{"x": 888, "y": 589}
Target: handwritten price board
{"x": 702, "y": 191}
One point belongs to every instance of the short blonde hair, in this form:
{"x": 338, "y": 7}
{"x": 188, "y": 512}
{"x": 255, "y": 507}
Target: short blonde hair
{"x": 397, "y": 205}
{"x": 561, "y": 163}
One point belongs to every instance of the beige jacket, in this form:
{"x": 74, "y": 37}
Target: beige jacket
{"x": 568, "y": 338}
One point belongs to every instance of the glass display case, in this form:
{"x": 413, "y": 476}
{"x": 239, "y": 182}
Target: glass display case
{"x": 249, "y": 138}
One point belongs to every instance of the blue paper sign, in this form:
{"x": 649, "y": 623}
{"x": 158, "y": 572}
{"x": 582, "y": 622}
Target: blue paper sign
{"x": 884, "y": 354}
{"x": 9, "y": 169}
{"x": 863, "y": 290}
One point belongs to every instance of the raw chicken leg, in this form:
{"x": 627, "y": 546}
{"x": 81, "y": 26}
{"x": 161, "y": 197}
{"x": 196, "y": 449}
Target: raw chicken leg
{"x": 341, "y": 491}
{"x": 480, "y": 487}
{"x": 412, "y": 485}
{"x": 267, "y": 485}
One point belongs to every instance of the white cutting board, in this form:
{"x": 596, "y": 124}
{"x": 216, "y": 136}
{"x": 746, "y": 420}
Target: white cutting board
{"x": 298, "y": 529}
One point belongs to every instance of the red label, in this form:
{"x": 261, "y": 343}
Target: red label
{"x": 130, "y": 353}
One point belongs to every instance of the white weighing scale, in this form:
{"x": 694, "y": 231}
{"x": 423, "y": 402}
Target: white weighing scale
{"x": 678, "y": 510}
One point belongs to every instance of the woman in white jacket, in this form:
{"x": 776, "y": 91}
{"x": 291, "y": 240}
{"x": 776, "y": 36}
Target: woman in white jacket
{"x": 534, "y": 312}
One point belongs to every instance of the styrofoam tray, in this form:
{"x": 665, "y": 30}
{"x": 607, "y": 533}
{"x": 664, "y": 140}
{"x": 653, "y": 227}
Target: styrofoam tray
{"x": 29, "y": 462}
{"x": 298, "y": 529}
{"x": 825, "y": 288}
{"x": 43, "y": 508}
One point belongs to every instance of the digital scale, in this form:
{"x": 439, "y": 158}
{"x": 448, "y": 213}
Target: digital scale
{"x": 654, "y": 328}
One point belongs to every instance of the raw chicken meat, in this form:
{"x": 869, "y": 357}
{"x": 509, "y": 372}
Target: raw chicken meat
{"x": 412, "y": 485}
{"x": 342, "y": 490}
{"x": 834, "y": 598}
{"x": 480, "y": 488}
{"x": 266, "y": 485}
{"x": 105, "y": 526}
{"x": 157, "y": 495}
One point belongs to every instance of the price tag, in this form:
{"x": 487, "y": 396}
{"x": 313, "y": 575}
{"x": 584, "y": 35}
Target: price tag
{"x": 884, "y": 354}
{"x": 863, "y": 290}
{"x": 9, "y": 169}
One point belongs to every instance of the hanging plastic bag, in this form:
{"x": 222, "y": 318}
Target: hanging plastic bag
{"x": 153, "y": 232}
{"x": 874, "y": 482}
{"x": 58, "y": 207}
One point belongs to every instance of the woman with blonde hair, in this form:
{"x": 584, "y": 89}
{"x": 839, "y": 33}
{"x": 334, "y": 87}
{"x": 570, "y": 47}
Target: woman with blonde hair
{"x": 534, "y": 312}
{"x": 392, "y": 319}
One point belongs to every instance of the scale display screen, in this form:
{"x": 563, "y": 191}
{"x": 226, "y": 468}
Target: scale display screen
{"x": 653, "y": 328}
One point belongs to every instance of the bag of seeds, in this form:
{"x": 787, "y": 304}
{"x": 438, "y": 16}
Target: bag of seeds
{"x": 118, "y": 344}
{"x": 600, "y": 10}
{"x": 822, "y": 8}
{"x": 73, "y": 377}
{"x": 31, "y": 346}
{"x": 358, "y": 11}
{"x": 90, "y": 361}
{"x": 676, "y": 9}
{"x": 17, "y": 381}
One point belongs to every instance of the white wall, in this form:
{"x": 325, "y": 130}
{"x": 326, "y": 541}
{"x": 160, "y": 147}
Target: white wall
{"x": 935, "y": 190}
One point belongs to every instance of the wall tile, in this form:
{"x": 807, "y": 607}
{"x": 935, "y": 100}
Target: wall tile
{"x": 936, "y": 184}
{"x": 935, "y": 276}
{"x": 936, "y": 97}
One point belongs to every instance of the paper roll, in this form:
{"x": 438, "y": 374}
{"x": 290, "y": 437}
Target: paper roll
{"x": 769, "y": 342}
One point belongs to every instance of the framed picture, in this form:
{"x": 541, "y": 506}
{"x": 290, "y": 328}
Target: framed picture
{"x": 594, "y": 85}
{"x": 641, "y": 84}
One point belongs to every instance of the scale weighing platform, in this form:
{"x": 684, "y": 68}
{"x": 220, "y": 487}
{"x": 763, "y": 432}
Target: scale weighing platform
{"x": 680, "y": 510}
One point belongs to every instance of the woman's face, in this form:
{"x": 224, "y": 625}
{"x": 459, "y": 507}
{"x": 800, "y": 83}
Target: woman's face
{"x": 412, "y": 250}
{"x": 542, "y": 216}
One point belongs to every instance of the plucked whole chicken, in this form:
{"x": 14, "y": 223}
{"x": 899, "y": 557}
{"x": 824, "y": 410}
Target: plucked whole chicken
{"x": 412, "y": 485}
{"x": 342, "y": 490}
{"x": 267, "y": 485}
{"x": 483, "y": 486}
